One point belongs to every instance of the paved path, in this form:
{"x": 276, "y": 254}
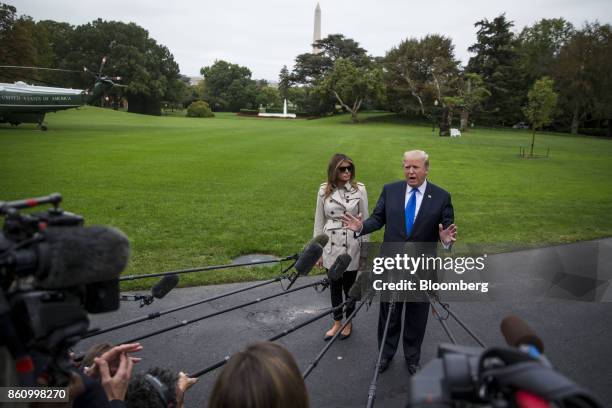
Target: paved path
{"x": 577, "y": 337}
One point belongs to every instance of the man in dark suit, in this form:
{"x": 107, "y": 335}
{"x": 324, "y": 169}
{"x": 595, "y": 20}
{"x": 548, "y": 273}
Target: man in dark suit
{"x": 417, "y": 211}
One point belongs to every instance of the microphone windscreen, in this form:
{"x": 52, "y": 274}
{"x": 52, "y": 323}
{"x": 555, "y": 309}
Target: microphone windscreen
{"x": 339, "y": 267}
{"x": 362, "y": 288}
{"x": 308, "y": 258}
{"x": 321, "y": 239}
{"x": 165, "y": 285}
{"x": 356, "y": 291}
{"x": 82, "y": 255}
{"x": 516, "y": 332}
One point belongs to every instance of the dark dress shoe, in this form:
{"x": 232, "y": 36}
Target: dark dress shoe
{"x": 384, "y": 364}
{"x": 413, "y": 368}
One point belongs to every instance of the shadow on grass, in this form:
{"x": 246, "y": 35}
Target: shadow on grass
{"x": 396, "y": 119}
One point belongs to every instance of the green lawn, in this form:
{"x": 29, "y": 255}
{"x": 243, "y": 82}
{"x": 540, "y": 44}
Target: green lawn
{"x": 191, "y": 192}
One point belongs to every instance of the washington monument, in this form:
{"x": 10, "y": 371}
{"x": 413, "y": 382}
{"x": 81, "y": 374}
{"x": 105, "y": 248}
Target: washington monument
{"x": 317, "y": 29}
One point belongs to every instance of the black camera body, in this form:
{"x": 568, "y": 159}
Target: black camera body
{"x": 494, "y": 377}
{"x": 53, "y": 272}
{"x": 450, "y": 377}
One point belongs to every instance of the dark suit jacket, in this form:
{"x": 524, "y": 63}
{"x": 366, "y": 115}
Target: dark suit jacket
{"x": 436, "y": 208}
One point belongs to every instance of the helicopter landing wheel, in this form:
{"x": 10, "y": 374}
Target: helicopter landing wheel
{"x": 42, "y": 127}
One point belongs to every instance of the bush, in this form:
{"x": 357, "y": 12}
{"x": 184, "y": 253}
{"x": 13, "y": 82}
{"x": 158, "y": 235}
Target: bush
{"x": 199, "y": 109}
{"x": 249, "y": 112}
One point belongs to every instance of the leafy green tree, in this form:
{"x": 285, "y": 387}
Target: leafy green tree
{"x": 179, "y": 94}
{"x": 538, "y": 47}
{"x": 578, "y": 73}
{"x": 472, "y": 94}
{"x": 146, "y": 68}
{"x": 310, "y": 69}
{"x": 496, "y": 62}
{"x": 419, "y": 73}
{"x": 268, "y": 96}
{"x": 18, "y": 46}
{"x": 602, "y": 75}
{"x": 583, "y": 76}
{"x": 542, "y": 101}
{"x": 284, "y": 82}
{"x": 336, "y": 46}
{"x": 352, "y": 85}
{"x": 229, "y": 87}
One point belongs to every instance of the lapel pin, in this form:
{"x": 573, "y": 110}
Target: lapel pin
{"x": 428, "y": 195}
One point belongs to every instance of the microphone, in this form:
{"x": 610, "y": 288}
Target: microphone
{"x": 355, "y": 293}
{"x": 339, "y": 267}
{"x": 309, "y": 257}
{"x": 518, "y": 334}
{"x": 321, "y": 239}
{"x": 306, "y": 260}
{"x": 73, "y": 256}
{"x": 161, "y": 289}
{"x": 362, "y": 288}
{"x": 165, "y": 285}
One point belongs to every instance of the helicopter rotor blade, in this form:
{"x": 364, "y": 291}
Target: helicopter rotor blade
{"x": 40, "y": 68}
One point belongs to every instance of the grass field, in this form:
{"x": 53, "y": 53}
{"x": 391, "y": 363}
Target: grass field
{"x": 191, "y": 192}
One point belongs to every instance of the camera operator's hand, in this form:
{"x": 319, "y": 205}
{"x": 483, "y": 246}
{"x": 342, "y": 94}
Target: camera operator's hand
{"x": 115, "y": 385}
{"x": 182, "y": 385}
{"x": 112, "y": 359}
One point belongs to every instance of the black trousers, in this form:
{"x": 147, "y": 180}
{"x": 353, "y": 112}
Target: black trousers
{"x": 336, "y": 288}
{"x": 415, "y": 322}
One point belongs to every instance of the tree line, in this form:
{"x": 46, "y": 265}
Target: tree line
{"x": 146, "y": 68}
{"x": 419, "y": 78}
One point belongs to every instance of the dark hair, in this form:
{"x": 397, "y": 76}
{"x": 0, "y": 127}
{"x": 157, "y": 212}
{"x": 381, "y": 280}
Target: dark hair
{"x": 94, "y": 351}
{"x": 332, "y": 172}
{"x": 265, "y": 375}
{"x": 141, "y": 393}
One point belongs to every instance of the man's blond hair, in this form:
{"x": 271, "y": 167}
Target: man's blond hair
{"x": 419, "y": 155}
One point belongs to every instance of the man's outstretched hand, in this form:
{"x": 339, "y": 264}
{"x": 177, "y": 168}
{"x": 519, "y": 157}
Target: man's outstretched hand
{"x": 351, "y": 222}
{"x": 448, "y": 235}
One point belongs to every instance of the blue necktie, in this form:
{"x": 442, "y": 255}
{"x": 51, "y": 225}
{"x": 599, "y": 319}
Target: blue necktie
{"x": 409, "y": 211}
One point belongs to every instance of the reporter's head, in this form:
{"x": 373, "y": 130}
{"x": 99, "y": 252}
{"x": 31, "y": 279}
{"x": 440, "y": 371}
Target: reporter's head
{"x": 154, "y": 389}
{"x": 265, "y": 375}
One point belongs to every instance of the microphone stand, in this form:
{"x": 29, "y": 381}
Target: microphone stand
{"x": 372, "y": 389}
{"x": 446, "y": 307}
{"x": 273, "y": 338}
{"x": 333, "y": 339}
{"x": 205, "y": 268}
{"x": 151, "y": 316}
{"x": 442, "y": 320}
{"x": 187, "y": 322}
{"x": 144, "y": 299}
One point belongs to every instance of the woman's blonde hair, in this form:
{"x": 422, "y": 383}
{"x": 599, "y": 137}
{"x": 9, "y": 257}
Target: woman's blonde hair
{"x": 332, "y": 172}
{"x": 265, "y": 375}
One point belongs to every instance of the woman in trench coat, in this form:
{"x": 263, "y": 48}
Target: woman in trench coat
{"x": 340, "y": 194}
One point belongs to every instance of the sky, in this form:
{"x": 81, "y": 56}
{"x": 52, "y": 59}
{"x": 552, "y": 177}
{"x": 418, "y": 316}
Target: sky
{"x": 268, "y": 34}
